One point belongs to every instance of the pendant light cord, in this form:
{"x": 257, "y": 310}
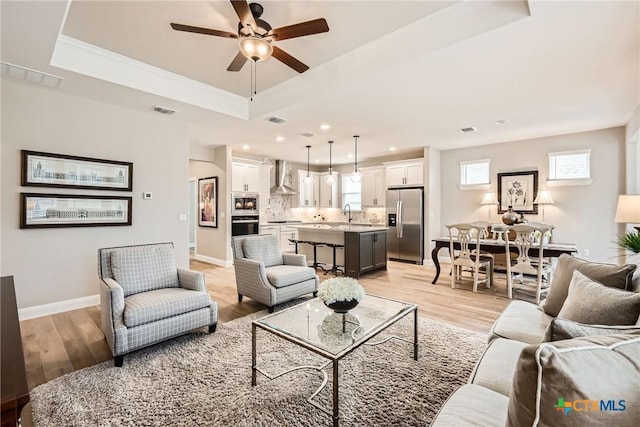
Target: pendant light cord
{"x": 330, "y": 166}
{"x": 356, "y": 162}
{"x": 308, "y": 159}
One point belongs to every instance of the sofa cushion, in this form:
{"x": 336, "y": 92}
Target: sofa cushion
{"x": 616, "y": 276}
{"x": 521, "y": 321}
{"x": 577, "y": 382}
{"x": 147, "y": 307}
{"x": 472, "y": 405}
{"x": 285, "y": 275}
{"x": 563, "y": 329}
{"x": 265, "y": 249}
{"x": 497, "y": 365}
{"x": 144, "y": 268}
{"x": 593, "y": 303}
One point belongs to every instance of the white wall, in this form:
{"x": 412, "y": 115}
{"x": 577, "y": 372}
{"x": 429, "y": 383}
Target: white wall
{"x": 581, "y": 214}
{"x": 58, "y": 264}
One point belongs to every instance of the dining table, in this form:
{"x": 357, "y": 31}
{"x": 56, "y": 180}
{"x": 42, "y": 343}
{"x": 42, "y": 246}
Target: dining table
{"x": 495, "y": 246}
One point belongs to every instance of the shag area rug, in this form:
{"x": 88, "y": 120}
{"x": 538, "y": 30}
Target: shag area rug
{"x": 205, "y": 380}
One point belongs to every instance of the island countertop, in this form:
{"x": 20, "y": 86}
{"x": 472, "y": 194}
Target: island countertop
{"x": 345, "y": 228}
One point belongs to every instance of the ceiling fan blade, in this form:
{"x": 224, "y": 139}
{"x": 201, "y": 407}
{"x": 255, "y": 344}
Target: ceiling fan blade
{"x": 301, "y": 29}
{"x": 244, "y": 13}
{"x": 288, "y": 60}
{"x": 200, "y": 30}
{"x": 237, "y": 63}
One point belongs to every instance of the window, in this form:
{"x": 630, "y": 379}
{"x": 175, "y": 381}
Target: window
{"x": 570, "y": 165}
{"x": 351, "y": 193}
{"x": 474, "y": 173}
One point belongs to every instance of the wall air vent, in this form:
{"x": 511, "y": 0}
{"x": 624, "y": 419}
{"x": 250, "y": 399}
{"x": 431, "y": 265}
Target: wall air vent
{"x": 163, "y": 110}
{"x": 469, "y": 129}
{"x": 33, "y": 76}
{"x": 275, "y": 119}
{"x": 306, "y": 134}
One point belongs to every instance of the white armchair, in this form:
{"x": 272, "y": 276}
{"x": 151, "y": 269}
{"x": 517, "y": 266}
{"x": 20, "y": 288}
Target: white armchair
{"x": 269, "y": 276}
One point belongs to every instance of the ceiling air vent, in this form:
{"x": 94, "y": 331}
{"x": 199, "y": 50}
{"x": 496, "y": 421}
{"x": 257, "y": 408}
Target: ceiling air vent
{"x": 306, "y": 134}
{"x": 163, "y": 110}
{"x": 469, "y": 129}
{"x": 33, "y": 76}
{"x": 275, "y": 119}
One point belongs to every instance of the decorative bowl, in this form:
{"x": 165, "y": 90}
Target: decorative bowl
{"x": 342, "y": 306}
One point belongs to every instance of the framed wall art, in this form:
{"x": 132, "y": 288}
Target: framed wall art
{"x": 208, "y": 202}
{"x": 518, "y": 189}
{"x": 58, "y": 170}
{"x": 41, "y": 210}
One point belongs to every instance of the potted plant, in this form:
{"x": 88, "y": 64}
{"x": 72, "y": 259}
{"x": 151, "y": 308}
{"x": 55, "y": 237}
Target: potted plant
{"x": 341, "y": 294}
{"x": 630, "y": 241}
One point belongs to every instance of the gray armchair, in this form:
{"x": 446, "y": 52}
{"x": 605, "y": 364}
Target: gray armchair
{"x": 145, "y": 299}
{"x": 269, "y": 276}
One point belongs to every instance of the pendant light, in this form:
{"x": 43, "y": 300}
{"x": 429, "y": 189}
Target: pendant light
{"x": 308, "y": 179}
{"x": 357, "y": 175}
{"x": 331, "y": 178}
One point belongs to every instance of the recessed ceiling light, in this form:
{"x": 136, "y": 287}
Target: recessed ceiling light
{"x": 325, "y": 126}
{"x": 279, "y": 138}
{"x": 349, "y": 155}
{"x": 317, "y": 160}
{"x": 502, "y": 122}
{"x": 245, "y": 146}
{"x": 392, "y": 148}
{"x": 468, "y": 129}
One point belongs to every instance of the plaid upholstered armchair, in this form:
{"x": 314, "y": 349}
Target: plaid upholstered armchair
{"x": 145, "y": 299}
{"x": 269, "y": 276}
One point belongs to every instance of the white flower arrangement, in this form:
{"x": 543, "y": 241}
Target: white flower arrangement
{"x": 340, "y": 289}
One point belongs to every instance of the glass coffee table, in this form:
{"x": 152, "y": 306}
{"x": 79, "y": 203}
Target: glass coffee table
{"x": 317, "y": 328}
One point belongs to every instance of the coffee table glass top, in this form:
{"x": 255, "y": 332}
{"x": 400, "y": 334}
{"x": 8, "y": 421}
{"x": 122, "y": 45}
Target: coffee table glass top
{"x": 318, "y": 326}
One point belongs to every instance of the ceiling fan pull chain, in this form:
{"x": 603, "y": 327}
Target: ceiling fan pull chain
{"x": 253, "y": 65}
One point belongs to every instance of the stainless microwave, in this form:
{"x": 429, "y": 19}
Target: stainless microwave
{"x": 244, "y": 204}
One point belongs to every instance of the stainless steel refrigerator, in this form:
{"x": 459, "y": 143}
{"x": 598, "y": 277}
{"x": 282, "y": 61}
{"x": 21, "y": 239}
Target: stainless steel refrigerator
{"x": 405, "y": 219}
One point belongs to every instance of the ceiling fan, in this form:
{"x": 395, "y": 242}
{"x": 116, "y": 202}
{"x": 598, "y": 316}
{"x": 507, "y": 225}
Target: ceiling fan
{"x": 256, "y": 36}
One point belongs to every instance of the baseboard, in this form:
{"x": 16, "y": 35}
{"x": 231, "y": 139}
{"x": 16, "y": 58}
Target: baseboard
{"x": 214, "y": 261}
{"x": 57, "y": 307}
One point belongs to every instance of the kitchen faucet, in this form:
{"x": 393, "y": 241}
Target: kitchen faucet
{"x": 348, "y": 210}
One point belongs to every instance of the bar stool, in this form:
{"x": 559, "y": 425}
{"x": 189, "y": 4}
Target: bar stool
{"x": 317, "y": 264}
{"x": 335, "y": 269}
{"x": 296, "y": 241}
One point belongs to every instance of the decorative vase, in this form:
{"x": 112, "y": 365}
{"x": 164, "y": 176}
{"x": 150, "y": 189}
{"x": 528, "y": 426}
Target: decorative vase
{"x": 510, "y": 217}
{"x": 342, "y": 306}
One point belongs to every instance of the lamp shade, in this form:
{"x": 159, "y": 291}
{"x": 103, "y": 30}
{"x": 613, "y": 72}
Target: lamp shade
{"x": 543, "y": 198}
{"x": 628, "y": 210}
{"x": 489, "y": 199}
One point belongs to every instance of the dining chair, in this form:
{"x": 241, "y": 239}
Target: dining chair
{"x": 466, "y": 235}
{"x": 528, "y": 238}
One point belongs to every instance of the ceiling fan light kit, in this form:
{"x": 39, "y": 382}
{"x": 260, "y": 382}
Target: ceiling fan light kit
{"x": 255, "y": 48}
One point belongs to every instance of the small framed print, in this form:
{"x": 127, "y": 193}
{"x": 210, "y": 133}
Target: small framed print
{"x": 72, "y": 210}
{"x": 208, "y": 202}
{"x": 58, "y": 170}
{"x": 518, "y": 190}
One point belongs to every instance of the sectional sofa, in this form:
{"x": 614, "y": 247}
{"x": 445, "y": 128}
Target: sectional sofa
{"x": 574, "y": 360}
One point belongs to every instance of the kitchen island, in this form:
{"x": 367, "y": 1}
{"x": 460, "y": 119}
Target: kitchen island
{"x": 364, "y": 251}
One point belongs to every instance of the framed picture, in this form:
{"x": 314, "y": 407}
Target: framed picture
{"x": 39, "y": 210}
{"x": 518, "y": 189}
{"x": 208, "y": 202}
{"x": 62, "y": 171}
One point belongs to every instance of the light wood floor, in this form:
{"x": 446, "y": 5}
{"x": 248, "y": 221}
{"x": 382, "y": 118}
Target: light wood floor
{"x": 61, "y": 343}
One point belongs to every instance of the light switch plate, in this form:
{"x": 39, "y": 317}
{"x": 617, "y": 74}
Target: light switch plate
{"x": 147, "y": 195}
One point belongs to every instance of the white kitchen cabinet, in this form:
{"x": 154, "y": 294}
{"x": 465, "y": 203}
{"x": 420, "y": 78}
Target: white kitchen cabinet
{"x": 273, "y": 230}
{"x": 287, "y": 233}
{"x": 405, "y": 173}
{"x": 373, "y": 188}
{"x": 309, "y": 193}
{"x": 245, "y": 177}
{"x": 265, "y": 185}
{"x": 328, "y": 193}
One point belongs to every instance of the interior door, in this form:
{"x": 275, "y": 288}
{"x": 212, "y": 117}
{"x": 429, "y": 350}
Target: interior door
{"x": 411, "y": 242}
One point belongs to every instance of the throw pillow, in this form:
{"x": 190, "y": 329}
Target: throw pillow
{"x": 144, "y": 268}
{"x": 595, "y": 304}
{"x": 577, "y": 382}
{"x": 265, "y": 249}
{"x": 616, "y": 276}
{"x": 562, "y": 329}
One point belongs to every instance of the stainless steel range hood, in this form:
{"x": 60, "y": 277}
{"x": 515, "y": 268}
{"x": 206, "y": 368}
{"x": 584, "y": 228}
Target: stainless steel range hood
{"x": 280, "y": 188}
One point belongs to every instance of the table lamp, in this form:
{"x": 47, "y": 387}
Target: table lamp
{"x": 628, "y": 209}
{"x": 543, "y": 198}
{"x": 489, "y": 199}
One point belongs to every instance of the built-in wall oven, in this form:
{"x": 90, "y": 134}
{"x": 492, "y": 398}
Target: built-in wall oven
{"x": 244, "y": 204}
{"x": 242, "y": 225}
